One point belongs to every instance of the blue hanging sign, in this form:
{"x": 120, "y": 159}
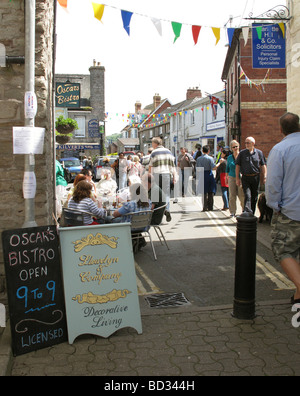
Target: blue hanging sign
{"x": 93, "y": 129}
{"x": 268, "y": 47}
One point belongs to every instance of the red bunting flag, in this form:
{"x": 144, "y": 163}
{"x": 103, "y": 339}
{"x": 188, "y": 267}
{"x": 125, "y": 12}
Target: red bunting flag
{"x": 196, "y": 31}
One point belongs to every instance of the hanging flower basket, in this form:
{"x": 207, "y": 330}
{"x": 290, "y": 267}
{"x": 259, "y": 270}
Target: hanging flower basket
{"x": 62, "y": 139}
{"x": 65, "y": 125}
{"x": 65, "y": 129}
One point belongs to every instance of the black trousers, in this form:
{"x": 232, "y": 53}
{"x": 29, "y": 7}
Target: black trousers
{"x": 208, "y": 204}
{"x": 250, "y": 187}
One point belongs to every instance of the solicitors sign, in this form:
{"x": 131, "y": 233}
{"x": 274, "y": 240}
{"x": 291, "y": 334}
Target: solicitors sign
{"x": 268, "y": 47}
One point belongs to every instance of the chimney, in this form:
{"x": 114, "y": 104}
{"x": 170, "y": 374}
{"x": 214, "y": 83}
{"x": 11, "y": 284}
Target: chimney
{"x": 192, "y": 93}
{"x": 138, "y": 106}
{"x": 97, "y": 89}
{"x": 156, "y": 100}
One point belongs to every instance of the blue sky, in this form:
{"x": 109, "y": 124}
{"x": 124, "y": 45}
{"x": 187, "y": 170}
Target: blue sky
{"x": 145, "y": 63}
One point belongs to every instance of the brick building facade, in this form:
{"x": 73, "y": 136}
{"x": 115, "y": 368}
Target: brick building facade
{"x": 252, "y": 110}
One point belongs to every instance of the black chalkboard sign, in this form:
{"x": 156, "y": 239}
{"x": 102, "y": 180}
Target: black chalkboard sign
{"x": 34, "y": 287}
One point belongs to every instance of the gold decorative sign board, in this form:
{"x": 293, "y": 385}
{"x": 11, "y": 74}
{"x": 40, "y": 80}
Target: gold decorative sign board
{"x": 99, "y": 280}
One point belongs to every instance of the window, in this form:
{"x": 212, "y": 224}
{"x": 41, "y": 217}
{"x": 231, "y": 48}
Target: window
{"x": 192, "y": 117}
{"x": 80, "y": 132}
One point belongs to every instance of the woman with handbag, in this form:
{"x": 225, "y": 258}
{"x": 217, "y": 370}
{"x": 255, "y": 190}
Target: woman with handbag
{"x": 234, "y": 190}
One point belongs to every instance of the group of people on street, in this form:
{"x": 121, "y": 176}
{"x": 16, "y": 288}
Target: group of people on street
{"x": 240, "y": 174}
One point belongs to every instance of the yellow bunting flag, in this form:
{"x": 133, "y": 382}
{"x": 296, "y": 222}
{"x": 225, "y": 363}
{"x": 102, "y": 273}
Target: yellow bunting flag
{"x": 63, "y": 3}
{"x": 217, "y": 33}
{"x": 98, "y": 10}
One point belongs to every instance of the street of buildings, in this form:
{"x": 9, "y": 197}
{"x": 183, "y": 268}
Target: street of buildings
{"x": 199, "y": 338}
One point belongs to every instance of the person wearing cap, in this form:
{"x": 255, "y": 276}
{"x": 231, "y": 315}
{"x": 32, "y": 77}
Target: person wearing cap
{"x": 251, "y": 163}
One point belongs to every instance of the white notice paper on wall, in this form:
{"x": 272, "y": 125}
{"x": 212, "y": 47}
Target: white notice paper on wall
{"x": 29, "y": 185}
{"x": 28, "y": 140}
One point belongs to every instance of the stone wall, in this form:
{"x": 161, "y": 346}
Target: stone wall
{"x": 12, "y": 35}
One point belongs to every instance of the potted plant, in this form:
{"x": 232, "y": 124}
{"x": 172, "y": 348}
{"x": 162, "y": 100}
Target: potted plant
{"x": 64, "y": 128}
{"x": 62, "y": 139}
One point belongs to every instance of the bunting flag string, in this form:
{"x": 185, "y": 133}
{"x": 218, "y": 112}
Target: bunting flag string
{"x": 135, "y": 120}
{"x": 176, "y": 26}
{"x": 259, "y": 86}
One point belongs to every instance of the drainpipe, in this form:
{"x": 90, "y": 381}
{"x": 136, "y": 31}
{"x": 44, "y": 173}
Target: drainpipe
{"x": 239, "y": 91}
{"x": 53, "y": 107}
{"x": 29, "y": 165}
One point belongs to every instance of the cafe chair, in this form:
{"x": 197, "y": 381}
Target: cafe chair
{"x": 140, "y": 226}
{"x": 71, "y": 218}
{"x": 158, "y": 220}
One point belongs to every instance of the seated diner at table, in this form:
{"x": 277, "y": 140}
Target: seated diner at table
{"x": 81, "y": 200}
{"x": 106, "y": 186}
{"x": 77, "y": 179}
{"x": 89, "y": 176}
{"x": 139, "y": 203}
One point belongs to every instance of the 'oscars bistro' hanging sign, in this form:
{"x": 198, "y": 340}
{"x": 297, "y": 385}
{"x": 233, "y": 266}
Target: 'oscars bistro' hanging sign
{"x": 67, "y": 95}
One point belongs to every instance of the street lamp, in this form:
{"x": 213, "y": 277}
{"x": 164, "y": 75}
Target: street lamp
{"x": 102, "y": 132}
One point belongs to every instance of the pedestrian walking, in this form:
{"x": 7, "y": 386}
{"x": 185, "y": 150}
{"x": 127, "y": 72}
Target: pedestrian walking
{"x": 197, "y": 153}
{"x": 207, "y": 163}
{"x": 283, "y": 196}
{"x": 136, "y": 168}
{"x": 223, "y": 178}
{"x": 163, "y": 168}
{"x": 251, "y": 163}
{"x": 146, "y": 159}
{"x": 233, "y": 189}
{"x": 185, "y": 164}
{"x": 120, "y": 169}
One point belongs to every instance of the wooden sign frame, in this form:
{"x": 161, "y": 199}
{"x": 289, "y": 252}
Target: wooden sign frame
{"x": 99, "y": 280}
{"x": 34, "y": 288}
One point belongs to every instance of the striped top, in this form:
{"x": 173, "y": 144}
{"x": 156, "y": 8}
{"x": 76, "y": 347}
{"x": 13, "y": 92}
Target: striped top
{"x": 162, "y": 161}
{"x": 87, "y": 205}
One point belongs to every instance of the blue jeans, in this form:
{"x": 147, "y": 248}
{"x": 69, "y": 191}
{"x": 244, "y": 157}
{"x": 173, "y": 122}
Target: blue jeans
{"x": 225, "y": 197}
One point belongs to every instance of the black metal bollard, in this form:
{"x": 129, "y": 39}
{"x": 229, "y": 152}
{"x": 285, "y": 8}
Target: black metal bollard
{"x": 245, "y": 267}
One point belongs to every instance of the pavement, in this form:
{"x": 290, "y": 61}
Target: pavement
{"x": 188, "y": 341}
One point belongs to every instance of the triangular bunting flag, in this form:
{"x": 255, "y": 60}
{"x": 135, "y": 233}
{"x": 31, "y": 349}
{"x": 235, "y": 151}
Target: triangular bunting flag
{"x": 259, "y": 32}
{"x": 98, "y": 10}
{"x": 230, "y": 33}
{"x": 217, "y": 33}
{"x": 126, "y": 17}
{"x": 245, "y": 34}
{"x": 176, "y": 29}
{"x": 63, "y": 3}
{"x": 196, "y": 31}
{"x": 282, "y": 27}
{"x": 157, "y": 24}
